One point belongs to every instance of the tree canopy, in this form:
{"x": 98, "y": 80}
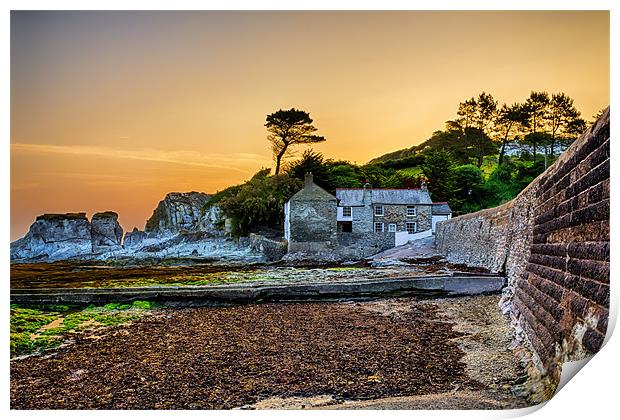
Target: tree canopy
{"x": 287, "y": 129}
{"x": 258, "y": 202}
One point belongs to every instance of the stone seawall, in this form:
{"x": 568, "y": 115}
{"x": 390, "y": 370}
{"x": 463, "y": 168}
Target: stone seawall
{"x": 353, "y": 245}
{"x": 552, "y": 243}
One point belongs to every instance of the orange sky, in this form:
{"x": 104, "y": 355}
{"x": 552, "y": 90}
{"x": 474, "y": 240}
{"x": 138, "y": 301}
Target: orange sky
{"x": 112, "y": 110}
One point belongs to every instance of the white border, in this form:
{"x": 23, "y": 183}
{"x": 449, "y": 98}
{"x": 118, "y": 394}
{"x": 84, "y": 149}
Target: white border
{"x": 592, "y": 395}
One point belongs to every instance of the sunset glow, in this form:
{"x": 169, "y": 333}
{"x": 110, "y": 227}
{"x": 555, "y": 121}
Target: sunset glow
{"x": 112, "y": 110}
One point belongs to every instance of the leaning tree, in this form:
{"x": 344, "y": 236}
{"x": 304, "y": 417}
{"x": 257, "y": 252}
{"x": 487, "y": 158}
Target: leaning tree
{"x": 287, "y": 129}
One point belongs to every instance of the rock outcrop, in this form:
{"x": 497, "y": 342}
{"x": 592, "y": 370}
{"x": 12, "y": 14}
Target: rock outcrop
{"x": 177, "y": 215}
{"x": 181, "y": 226}
{"x": 179, "y": 212}
{"x": 134, "y": 238}
{"x": 55, "y": 237}
{"x": 272, "y": 249}
{"x": 106, "y": 232}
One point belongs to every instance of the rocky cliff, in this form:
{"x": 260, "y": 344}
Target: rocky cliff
{"x": 179, "y": 212}
{"x": 181, "y": 226}
{"x": 134, "y": 238}
{"x": 105, "y": 231}
{"x": 55, "y": 237}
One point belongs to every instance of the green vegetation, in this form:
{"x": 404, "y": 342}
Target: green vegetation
{"x": 257, "y": 203}
{"x": 482, "y": 158}
{"x": 35, "y": 328}
{"x": 340, "y": 269}
{"x": 412, "y": 173}
{"x": 493, "y": 151}
{"x": 142, "y": 304}
{"x": 288, "y": 129}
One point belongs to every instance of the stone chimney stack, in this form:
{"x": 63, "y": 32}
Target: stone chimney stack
{"x": 308, "y": 179}
{"x": 367, "y": 197}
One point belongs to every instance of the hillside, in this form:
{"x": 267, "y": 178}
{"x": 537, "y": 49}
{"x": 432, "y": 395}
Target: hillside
{"x": 399, "y": 154}
{"x": 461, "y": 144}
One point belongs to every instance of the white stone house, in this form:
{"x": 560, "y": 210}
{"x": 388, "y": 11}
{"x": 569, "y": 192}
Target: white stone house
{"x": 357, "y": 222}
{"x": 405, "y": 212}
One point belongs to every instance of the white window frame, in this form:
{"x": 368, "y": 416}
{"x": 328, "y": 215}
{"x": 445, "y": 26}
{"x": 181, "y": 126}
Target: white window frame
{"x": 415, "y": 227}
{"x": 415, "y": 211}
{"x": 379, "y": 211}
{"x": 345, "y": 210}
{"x": 392, "y": 227}
{"x": 377, "y": 225}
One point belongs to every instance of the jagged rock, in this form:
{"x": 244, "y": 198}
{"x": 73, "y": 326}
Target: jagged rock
{"x": 106, "y": 233}
{"x": 182, "y": 238}
{"x": 210, "y": 219}
{"x": 195, "y": 245}
{"x": 55, "y": 237}
{"x": 181, "y": 226}
{"x": 272, "y": 249}
{"x": 179, "y": 212}
{"x": 134, "y": 238}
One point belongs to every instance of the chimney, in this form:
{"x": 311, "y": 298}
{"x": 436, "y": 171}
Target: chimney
{"x": 308, "y": 180}
{"x": 367, "y": 197}
{"x": 423, "y": 186}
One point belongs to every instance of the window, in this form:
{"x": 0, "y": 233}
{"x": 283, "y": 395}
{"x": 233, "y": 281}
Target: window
{"x": 378, "y": 210}
{"x": 346, "y": 212}
{"x": 378, "y": 227}
{"x": 392, "y": 227}
{"x": 410, "y": 211}
{"x": 412, "y": 227}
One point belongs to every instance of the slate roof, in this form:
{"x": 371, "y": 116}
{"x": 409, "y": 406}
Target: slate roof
{"x": 312, "y": 192}
{"x": 441, "y": 208}
{"x": 355, "y": 196}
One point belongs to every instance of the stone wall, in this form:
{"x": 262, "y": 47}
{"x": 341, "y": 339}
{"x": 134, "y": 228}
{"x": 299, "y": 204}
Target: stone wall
{"x": 313, "y": 229}
{"x": 393, "y": 213}
{"x": 552, "y": 241}
{"x": 360, "y": 245}
{"x": 424, "y": 217}
{"x": 362, "y": 219}
{"x": 273, "y": 250}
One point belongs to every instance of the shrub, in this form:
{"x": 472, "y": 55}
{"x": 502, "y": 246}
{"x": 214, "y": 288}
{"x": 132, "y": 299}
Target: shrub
{"x": 142, "y": 304}
{"x": 260, "y": 202}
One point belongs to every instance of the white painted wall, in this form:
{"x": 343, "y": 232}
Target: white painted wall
{"x": 439, "y": 218}
{"x": 287, "y": 221}
{"x": 341, "y": 218}
{"x": 403, "y": 237}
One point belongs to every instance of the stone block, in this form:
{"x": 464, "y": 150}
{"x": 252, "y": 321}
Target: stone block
{"x": 593, "y": 340}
